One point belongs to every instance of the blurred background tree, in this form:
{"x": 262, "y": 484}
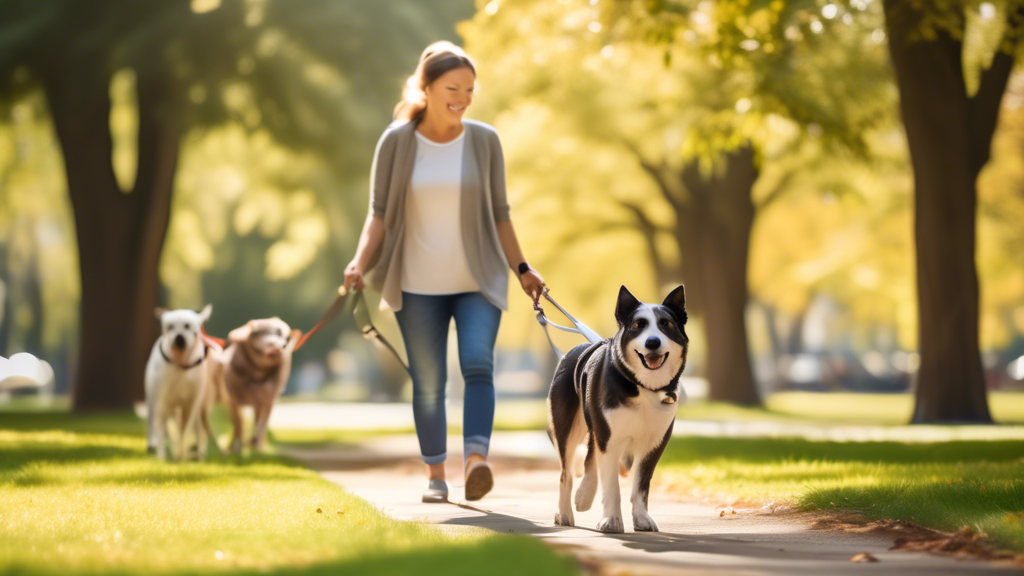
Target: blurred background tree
{"x": 953, "y": 61}
{"x": 623, "y": 124}
{"x": 651, "y": 94}
{"x": 305, "y": 74}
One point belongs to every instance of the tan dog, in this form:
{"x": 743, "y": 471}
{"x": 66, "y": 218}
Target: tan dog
{"x": 253, "y": 371}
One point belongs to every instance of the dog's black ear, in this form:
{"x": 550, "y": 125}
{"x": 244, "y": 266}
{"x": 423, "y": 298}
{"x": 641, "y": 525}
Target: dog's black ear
{"x": 625, "y": 306}
{"x": 676, "y": 302}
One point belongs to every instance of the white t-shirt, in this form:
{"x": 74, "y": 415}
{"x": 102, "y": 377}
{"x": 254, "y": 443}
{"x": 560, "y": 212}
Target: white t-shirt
{"x": 434, "y": 256}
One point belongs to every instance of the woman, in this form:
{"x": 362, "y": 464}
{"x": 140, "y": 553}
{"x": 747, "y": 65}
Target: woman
{"x": 438, "y": 243}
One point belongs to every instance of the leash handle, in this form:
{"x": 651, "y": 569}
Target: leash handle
{"x": 581, "y": 328}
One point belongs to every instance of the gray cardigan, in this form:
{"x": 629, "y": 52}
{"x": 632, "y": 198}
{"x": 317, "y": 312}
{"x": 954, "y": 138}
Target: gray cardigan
{"x": 482, "y": 206}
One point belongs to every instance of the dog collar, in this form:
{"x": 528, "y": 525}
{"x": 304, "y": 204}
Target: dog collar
{"x": 206, "y": 352}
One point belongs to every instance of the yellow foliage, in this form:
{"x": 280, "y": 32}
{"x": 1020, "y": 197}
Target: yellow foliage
{"x": 124, "y": 128}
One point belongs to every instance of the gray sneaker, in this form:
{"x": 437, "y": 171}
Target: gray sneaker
{"x": 437, "y": 491}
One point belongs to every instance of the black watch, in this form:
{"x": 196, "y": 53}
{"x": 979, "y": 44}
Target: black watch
{"x": 523, "y": 267}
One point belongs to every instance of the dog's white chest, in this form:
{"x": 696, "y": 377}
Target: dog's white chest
{"x": 642, "y": 421}
{"x": 174, "y": 383}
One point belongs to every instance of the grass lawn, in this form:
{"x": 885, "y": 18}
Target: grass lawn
{"x": 839, "y": 408}
{"x": 944, "y": 485}
{"x": 79, "y": 496}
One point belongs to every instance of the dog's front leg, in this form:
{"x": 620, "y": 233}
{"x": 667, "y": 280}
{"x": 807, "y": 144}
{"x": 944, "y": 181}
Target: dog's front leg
{"x": 261, "y": 411}
{"x": 182, "y": 421}
{"x": 235, "y": 412}
{"x": 202, "y": 441}
{"x": 642, "y": 521}
{"x": 160, "y": 431}
{"x": 608, "y": 471}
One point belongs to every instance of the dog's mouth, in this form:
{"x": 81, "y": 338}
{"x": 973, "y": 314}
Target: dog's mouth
{"x": 652, "y": 361}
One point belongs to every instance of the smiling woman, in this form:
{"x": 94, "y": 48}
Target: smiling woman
{"x": 438, "y": 243}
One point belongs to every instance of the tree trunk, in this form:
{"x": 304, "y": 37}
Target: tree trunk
{"x": 715, "y": 236}
{"x": 120, "y": 235}
{"x": 949, "y": 135}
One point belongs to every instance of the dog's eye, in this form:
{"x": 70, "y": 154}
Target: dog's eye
{"x": 186, "y": 327}
{"x": 637, "y": 325}
{"x": 279, "y": 332}
{"x": 666, "y": 324}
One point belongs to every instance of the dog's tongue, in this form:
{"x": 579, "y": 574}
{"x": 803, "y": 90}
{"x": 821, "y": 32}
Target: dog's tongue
{"x": 654, "y": 360}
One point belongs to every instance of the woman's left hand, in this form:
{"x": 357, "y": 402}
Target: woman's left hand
{"x": 532, "y": 283}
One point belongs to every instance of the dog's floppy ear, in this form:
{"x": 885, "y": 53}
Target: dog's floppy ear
{"x": 625, "y": 306}
{"x": 241, "y": 334}
{"x": 159, "y": 312}
{"x": 676, "y": 302}
{"x": 205, "y": 314}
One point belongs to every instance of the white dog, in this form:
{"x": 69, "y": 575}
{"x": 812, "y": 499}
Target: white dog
{"x": 178, "y": 382}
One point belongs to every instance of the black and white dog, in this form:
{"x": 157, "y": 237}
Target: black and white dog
{"x": 620, "y": 396}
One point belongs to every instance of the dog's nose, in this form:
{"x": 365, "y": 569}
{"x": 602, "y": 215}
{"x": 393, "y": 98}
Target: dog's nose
{"x": 653, "y": 343}
{"x": 179, "y": 341}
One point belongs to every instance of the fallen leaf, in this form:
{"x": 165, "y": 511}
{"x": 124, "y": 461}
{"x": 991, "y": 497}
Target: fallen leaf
{"x": 722, "y": 513}
{"x": 863, "y": 557}
{"x": 319, "y": 511}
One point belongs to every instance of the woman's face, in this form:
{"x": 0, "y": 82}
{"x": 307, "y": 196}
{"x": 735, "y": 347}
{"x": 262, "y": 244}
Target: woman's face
{"x": 451, "y": 93}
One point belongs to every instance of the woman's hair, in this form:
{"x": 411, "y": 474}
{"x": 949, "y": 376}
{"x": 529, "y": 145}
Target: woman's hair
{"x": 436, "y": 60}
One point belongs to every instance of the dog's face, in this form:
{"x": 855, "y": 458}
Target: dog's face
{"x": 181, "y": 329}
{"x": 268, "y": 336}
{"x": 652, "y": 339}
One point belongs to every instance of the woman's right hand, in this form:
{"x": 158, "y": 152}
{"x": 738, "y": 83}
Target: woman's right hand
{"x": 354, "y": 276}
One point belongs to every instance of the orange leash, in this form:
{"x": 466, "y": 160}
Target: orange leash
{"x": 339, "y": 303}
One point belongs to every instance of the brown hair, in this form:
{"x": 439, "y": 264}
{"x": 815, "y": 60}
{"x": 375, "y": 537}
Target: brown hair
{"x": 436, "y": 60}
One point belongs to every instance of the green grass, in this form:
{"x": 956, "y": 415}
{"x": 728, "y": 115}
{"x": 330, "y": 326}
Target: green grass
{"x": 79, "y": 496}
{"x": 944, "y": 485}
{"x": 840, "y": 409}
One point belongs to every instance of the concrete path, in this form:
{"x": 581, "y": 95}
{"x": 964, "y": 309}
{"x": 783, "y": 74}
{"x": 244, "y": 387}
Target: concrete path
{"x": 694, "y": 539}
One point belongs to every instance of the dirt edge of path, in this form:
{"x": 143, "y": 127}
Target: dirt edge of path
{"x": 912, "y": 537}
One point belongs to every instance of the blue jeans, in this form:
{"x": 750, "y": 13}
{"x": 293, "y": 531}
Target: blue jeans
{"x": 424, "y": 321}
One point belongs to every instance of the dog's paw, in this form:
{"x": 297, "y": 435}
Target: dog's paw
{"x": 585, "y": 494}
{"x": 644, "y": 523}
{"x": 611, "y": 525}
{"x": 564, "y": 520}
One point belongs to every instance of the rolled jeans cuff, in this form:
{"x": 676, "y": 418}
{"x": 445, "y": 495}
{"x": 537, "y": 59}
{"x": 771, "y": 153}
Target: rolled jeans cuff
{"x": 439, "y": 459}
{"x": 476, "y": 445}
